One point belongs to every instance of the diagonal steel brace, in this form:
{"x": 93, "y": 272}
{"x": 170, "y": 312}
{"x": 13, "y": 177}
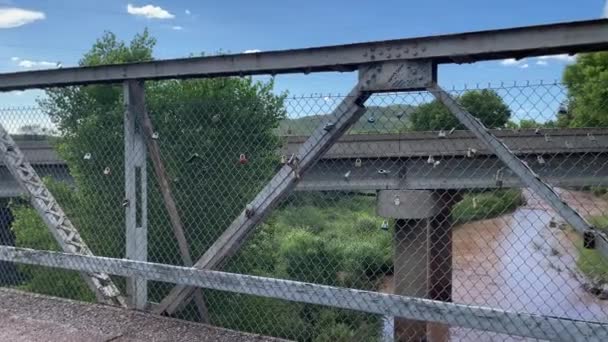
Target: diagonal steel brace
{"x": 61, "y": 227}
{"x": 592, "y": 237}
{"x": 381, "y": 77}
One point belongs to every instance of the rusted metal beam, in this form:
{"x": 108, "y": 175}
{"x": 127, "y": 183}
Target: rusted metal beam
{"x": 169, "y": 201}
{"x": 559, "y": 38}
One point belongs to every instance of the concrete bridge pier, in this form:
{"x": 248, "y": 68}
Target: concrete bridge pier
{"x": 422, "y": 253}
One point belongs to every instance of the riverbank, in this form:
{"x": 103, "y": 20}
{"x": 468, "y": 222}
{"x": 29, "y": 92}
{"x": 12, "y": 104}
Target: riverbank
{"x": 592, "y": 264}
{"x": 524, "y": 261}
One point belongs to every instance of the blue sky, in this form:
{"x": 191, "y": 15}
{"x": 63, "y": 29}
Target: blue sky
{"x": 38, "y": 34}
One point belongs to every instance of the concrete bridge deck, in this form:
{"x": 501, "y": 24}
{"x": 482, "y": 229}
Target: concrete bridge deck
{"x": 27, "y": 317}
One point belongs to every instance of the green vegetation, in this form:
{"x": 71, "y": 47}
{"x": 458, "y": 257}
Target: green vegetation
{"x": 590, "y": 261}
{"x": 587, "y": 106}
{"x": 486, "y": 205}
{"x": 388, "y": 119}
{"x": 587, "y": 83}
{"x": 485, "y": 104}
{"x": 214, "y": 120}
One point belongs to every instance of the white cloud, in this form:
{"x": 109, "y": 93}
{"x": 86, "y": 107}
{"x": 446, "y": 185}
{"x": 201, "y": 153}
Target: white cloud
{"x": 150, "y": 12}
{"x": 563, "y": 58}
{"x": 177, "y": 28}
{"x": 541, "y": 62}
{"x": 605, "y": 14}
{"x": 14, "y": 17}
{"x": 509, "y": 61}
{"x": 29, "y": 64}
{"x": 524, "y": 66}
{"x": 35, "y": 64}
{"x": 252, "y": 51}
{"x": 187, "y": 11}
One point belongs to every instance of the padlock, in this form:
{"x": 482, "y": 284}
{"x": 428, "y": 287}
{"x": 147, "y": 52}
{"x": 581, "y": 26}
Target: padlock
{"x": 329, "y": 126}
{"x": 384, "y": 225}
{"x": 107, "y": 171}
{"x": 540, "y": 160}
{"x": 358, "y": 162}
{"x": 87, "y": 156}
{"x": 243, "y": 159}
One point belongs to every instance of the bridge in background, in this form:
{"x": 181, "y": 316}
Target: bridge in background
{"x": 413, "y": 160}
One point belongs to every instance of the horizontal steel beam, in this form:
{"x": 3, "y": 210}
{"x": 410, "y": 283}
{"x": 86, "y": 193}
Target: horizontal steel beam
{"x": 410, "y": 144}
{"x": 457, "y": 173}
{"x": 467, "y": 316}
{"x": 459, "y": 143}
{"x": 452, "y": 173}
{"x": 571, "y": 37}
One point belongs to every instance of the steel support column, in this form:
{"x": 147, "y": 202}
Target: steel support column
{"x": 136, "y": 198}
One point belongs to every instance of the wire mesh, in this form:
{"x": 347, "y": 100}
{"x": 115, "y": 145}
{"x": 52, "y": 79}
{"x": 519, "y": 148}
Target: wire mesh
{"x": 463, "y": 229}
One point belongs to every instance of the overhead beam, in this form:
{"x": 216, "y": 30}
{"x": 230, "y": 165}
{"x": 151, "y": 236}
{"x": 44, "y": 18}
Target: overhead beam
{"x": 466, "y": 316}
{"x": 569, "y": 37}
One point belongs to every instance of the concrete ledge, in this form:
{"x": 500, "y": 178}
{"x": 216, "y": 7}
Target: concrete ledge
{"x": 31, "y": 317}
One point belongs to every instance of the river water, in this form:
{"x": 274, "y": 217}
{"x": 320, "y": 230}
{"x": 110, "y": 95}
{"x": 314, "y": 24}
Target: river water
{"x": 523, "y": 262}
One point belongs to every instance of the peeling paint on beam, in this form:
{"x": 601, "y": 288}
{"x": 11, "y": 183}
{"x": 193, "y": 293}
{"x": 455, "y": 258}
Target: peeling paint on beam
{"x": 570, "y": 38}
{"x": 468, "y": 316}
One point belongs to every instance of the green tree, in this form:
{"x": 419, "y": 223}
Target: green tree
{"x": 531, "y": 123}
{"x": 587, "y": 83}
{"x": 203, "y": 127}
{"x": 485, "y": 104}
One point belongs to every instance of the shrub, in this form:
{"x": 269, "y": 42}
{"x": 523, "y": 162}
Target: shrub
{"x": 486, "y": 205}
{"x": 306, "y": 257}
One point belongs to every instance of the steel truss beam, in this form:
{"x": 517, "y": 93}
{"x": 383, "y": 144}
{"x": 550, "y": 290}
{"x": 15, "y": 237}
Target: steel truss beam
{"x": 60, "y": 226}
{"x": 573, "y": 37}
{"x": 467, "y": 316}
{"x": 386, "y": 76}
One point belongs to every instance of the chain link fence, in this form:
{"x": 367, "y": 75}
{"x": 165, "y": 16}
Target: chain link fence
{"x": 407, "y": 202}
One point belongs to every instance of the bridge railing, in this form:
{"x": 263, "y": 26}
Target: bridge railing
{"x": 392, "y": 221}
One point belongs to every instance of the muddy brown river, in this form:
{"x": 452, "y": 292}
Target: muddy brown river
{"x": 523, "y": 262}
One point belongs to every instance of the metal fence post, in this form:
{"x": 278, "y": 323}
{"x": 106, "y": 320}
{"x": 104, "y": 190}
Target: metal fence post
{"x": 136, "y": 220}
